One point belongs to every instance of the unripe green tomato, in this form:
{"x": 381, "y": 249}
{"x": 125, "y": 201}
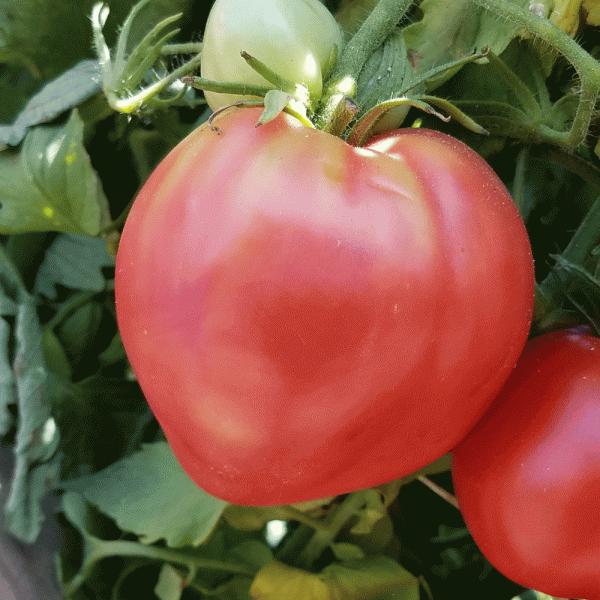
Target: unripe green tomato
{"x": 299, "y": 40}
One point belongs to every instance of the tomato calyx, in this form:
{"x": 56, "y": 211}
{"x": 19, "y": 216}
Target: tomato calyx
{"x": 297, "y": 91}
{"x": 138, "y": 82}
{"x": 285, "y": 95}
{"x": 274, "y": 103}
{"x": 389, "y": 114}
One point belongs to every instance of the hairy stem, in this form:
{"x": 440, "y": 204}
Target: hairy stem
{"x": 342, "y": 84}
{"x": 584, "y": 64}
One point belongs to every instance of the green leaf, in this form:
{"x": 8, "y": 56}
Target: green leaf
{"x": 7, "y": 376}
{"x": 373, "y": 578}
{"x": 65, "y": 92}
{"x": 45, "y": 36}
{"x": 10, "y": 289}
{"x": 24, "y": 380}
{"x": 49, "y": 36}
{"x": 583, "y": 290}
{"x": 56, "y": 357}
{"x": 114, "y": 352}
{"x": 23, "y": 513}
{"x": 149, "y": 494}
{"x": 101, "y": 420}
{"x": 252, "y": 553}
{"x": 79, "y": 331}
{"x": 347, "y": 551}
{"x": 170, "y": 584}
{"x": 451, "y": 30}
{"x": 75, "y": 262}
{"x": 16, "y": 87}
{"x": 51, "y": 185}
{"x": 386, "y": 74}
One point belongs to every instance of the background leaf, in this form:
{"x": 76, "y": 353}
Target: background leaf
{"x": 149, "y": 494}
{"x": 36, "y": 434}
{"x": 45, "y": 36}
{"x": 451, "y": 30}
{"x": 51, "y": 185}
{"x": 66, "y": 91}
{"x": 377, "y": 577}
{"x": 49, "y": 36}
{"x": 170, "y": 584}
{"x": 73, "y": 261}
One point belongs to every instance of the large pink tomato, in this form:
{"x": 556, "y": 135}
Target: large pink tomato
{"x": 308, "y": 318}
{"x": 527, "y": 478}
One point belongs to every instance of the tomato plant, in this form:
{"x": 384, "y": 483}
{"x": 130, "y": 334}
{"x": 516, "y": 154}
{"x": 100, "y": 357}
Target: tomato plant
{"x": 300, "y": 41}
{"x": 527, "y": 478}
{"x": 307, "y": 318}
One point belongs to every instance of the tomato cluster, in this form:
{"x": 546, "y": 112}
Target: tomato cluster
{"x": 308, "y": 318}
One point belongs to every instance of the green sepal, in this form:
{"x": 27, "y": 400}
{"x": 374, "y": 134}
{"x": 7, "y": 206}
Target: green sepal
{"x": 362, "y": 130}
{"x": 275, "y": 102}
{"x": 455, "y": 112}
{"x": 409, "y": 96}
{"x": 124, "y": 77}
{"x": 237, "y": 88}
{"x": 499, "y": 118}
{"x": 295, "y": 90}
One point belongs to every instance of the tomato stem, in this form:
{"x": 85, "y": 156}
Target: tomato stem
{"x": 187, "y": 48}
{"x": 584, "y": 64}
{"x": 342, "y": 84}
{"x": 336, "y": 521}
{"x": 99, "y": 549}
{"x": 440, "y": 491}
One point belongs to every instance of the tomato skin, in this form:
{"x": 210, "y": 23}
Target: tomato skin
{"x": 300, "y": 41}
{"x": 527, "y": 478}
{"x": 307, "y": 318}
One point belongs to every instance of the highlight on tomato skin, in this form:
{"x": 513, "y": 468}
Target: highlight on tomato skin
{"x": 306, "y": 318}
{"x": 527, "y": 478}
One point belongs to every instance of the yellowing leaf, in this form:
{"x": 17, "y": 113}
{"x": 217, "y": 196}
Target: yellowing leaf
{"x": 372, "y": 578}
{"x": 278, "y": 581}
{"x": 565, "y": 14}
{"x": 592, "y": 10}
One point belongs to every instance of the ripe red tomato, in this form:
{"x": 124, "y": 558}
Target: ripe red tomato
{"x": 307, "y": 318}
{"x": 527, "y": 478}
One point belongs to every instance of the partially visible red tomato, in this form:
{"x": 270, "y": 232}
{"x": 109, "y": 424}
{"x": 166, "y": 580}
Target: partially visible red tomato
{"x": 527, "y": 478}
{"x": 307, "y": 318}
